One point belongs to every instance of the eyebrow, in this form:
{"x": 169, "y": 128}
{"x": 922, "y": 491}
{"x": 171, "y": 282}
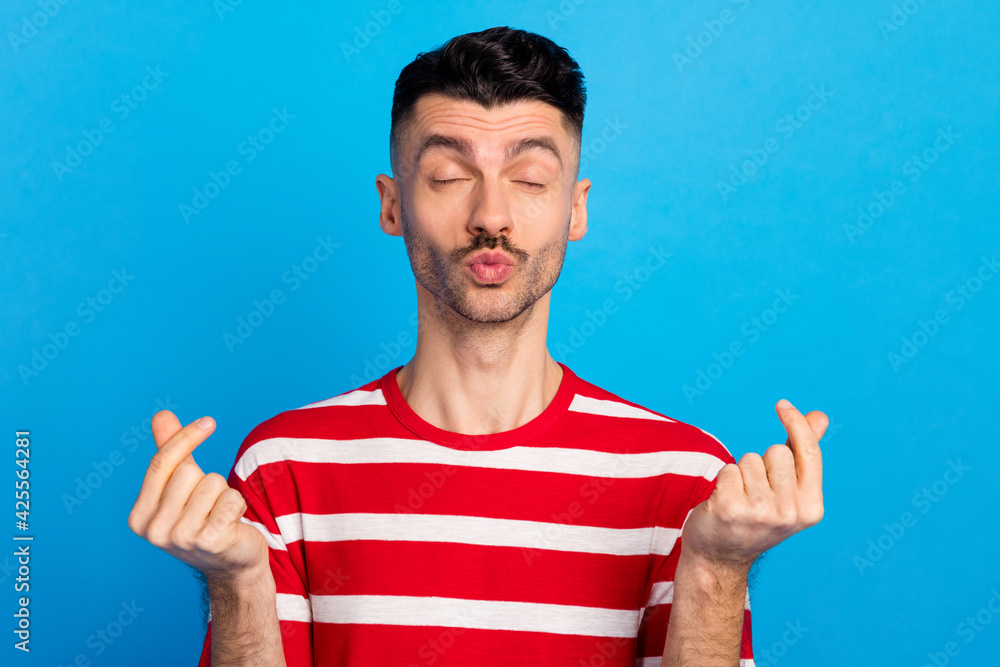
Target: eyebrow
{"x": 465, "y": 148}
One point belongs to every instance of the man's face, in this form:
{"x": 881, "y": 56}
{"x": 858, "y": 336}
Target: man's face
{"x": 500, "y": 181}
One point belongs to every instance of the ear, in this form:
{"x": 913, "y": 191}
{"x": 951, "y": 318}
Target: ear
{"x": 389, "y": 213}
{"x": 578, "y": 224}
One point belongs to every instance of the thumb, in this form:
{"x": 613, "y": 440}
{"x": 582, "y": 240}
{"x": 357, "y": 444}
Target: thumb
{"x": 818, "y": 421}
{"x": 164, "y": 425}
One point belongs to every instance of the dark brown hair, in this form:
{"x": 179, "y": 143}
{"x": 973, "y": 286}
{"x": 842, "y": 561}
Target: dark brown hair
{"x": 492, "y": 67}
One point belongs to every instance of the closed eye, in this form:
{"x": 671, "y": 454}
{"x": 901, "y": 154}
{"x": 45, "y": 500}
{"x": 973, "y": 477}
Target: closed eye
{"x": 455, "y": 180}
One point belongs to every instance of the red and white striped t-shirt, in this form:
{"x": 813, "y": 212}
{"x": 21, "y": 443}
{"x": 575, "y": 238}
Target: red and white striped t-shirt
{"x": 394, "y": 542}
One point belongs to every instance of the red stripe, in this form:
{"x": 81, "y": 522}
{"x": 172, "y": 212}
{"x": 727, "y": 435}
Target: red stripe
{"x": 370, "y": 567}
{"x": 406, "y": 488}
{"x": 407, "y": 646}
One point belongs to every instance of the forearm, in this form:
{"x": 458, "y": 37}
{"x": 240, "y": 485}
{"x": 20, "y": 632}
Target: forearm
{"x": 245, "y": 629}
{"x": 706, "y": 616}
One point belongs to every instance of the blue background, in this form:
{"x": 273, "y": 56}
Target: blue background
{"x": 684, "y": 127}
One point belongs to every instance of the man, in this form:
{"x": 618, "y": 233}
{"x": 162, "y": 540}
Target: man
{"x": 481, "y": 504}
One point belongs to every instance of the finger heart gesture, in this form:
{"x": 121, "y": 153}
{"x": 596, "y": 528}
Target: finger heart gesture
{"x": 762, "y": 501}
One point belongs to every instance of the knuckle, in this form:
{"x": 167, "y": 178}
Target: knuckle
{"x": 723, "y": 510}
{"x": 180, "y": 536}
{"x": 787, "y": 516}
{"x": 217, "y": 482}
{"x": 234, "y": 500}
{"x": 781, "y": 476}
{"x": 212, "y": 485}
{"x": 206, "y": 540}
{"x": 228, "y": 509}
{"x": 158, "y": 534}
{"x": 726, "y": 472}
{"x": 741, "y": 513}
{"x": 215, "y": 477}
{"x": 780, "y": 452}
{"x": 211, "y": 538}
{"x": 159, "y": 461}
{"x": 134, "y": 523}
{"x": 814, "y": 515}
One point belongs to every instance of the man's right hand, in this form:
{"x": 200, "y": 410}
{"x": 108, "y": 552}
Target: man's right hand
{"x": 194, "y": 516}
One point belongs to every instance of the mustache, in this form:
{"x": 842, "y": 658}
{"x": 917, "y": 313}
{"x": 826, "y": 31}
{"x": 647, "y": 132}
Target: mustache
{"x": 484, "y": 241}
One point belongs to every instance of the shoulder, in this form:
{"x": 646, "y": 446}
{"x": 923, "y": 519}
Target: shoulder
{"x": 275, "y": 439}
{"x": 645, "y": 429}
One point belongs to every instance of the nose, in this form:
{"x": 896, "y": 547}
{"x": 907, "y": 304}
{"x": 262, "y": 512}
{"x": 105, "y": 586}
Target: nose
{"x": 491, "y": 211}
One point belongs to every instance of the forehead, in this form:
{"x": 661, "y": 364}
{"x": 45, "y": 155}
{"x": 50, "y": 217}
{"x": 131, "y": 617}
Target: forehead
{"x": 485, "y": 132}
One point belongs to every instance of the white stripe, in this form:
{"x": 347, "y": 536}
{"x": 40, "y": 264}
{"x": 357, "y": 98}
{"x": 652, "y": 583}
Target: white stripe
{"x": 537, "y": 459}
{"x": 461, "y": 529}
{"x": 356, "y": 397}
{"x": 580, "y": 403}
{"x": 273, "y": 541}
{"x": 662, "y": 592}
{"x": 294, "y": 608}
{"x": 290, "y": 608}
{"x": 481, "y": 614}
{"x": 656, "y": 660}
{"x": 597, "y": 406}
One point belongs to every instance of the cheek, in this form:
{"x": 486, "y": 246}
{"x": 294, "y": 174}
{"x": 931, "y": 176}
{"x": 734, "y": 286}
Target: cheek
{"x": 437, "y": 212}
{"x": 545, "y": 207}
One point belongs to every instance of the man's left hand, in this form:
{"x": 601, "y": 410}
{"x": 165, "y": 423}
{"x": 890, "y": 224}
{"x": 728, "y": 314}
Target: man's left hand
{"x": 761, "y": 501}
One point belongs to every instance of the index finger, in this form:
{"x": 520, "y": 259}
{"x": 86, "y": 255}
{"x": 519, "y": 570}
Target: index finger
{"x": 170, "y": 454}
{"x": 804, "y": 444}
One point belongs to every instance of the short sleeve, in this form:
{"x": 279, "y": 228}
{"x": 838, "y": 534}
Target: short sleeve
{"x": 682, "y": 493}
{"x": 292, "y": 599}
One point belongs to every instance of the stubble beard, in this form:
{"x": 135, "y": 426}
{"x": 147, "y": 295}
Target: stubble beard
{"x": 443, "y": 274}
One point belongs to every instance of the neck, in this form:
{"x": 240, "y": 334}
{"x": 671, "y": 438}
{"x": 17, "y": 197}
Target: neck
{"x": 479, "y": 378}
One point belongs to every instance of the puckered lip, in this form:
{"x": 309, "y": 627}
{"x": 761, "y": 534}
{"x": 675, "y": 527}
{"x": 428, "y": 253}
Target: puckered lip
{"x": 489, "y": 257}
